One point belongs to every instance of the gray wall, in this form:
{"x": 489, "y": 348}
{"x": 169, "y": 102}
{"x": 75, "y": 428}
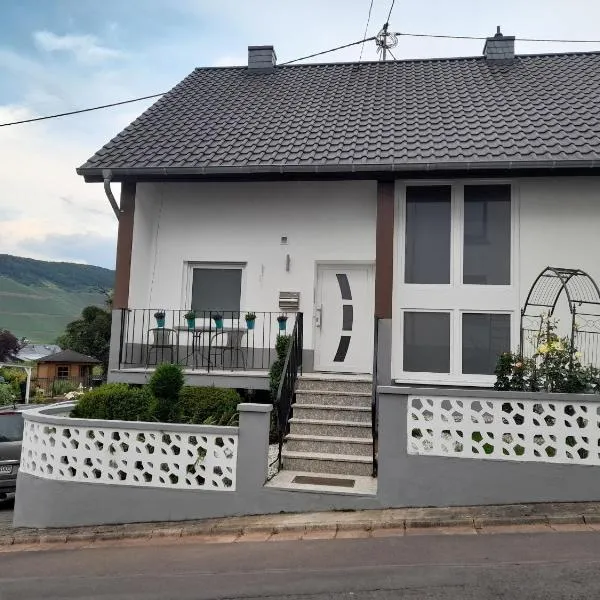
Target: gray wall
{"x": 404, "y": 480}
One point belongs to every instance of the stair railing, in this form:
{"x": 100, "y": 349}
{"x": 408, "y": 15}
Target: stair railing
{"x": 286, "y": 392}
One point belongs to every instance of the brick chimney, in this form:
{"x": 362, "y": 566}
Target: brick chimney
{"x": 500, "y": 48}
{"x": 261, "y": 59}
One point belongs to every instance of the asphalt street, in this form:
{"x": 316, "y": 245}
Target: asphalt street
{"x": 449, "y": 567}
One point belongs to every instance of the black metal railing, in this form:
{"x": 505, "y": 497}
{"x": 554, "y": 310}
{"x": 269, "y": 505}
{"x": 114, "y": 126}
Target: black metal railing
{"x": 210, "y": 340}
{"x": 287, "y": 385}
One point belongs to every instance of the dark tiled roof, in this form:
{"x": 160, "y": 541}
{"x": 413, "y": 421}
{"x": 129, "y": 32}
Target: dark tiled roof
{"x": 372, "y": 116}
{"x": 68, "y": 356}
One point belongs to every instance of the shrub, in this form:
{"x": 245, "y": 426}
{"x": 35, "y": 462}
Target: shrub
{"x": 165, "y": 385}
{"x": 60, "y": 387}
{"x": 208, "y": 405}
{"x": 115, "y": 401}
{"x": 6, "y": 394}
{"x": 281, "y": 347}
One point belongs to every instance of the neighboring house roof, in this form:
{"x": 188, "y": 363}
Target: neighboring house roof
{"x": 462, "y": 113}
{"x": 36, "y": 351}
{"x": 68, "y": 356}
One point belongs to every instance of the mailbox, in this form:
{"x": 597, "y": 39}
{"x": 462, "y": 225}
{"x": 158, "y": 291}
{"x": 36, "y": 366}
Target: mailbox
{"x": 289, "y": 301}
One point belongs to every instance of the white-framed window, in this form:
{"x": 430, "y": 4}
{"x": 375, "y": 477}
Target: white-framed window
{"x": 456, "y": 296}
{"x": 211, "y": 286}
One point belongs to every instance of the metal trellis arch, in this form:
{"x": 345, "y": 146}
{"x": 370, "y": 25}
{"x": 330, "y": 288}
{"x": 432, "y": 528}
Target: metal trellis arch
{"x": 583, "y": 298}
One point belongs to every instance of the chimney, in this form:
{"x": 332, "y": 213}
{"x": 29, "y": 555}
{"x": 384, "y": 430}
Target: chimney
{"x": 261, "y": 59}
{"x": 500, "y": 48}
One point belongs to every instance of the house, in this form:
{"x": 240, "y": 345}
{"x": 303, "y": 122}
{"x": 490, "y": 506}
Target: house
{"x": 403, "y": 208}
{"x": 67, "y": 365}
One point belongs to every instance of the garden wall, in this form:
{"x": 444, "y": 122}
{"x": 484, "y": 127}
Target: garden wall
{"x": 436, "y": 448}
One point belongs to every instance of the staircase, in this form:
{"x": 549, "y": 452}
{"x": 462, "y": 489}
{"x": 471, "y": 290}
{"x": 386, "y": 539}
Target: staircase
{"x": 330, "y": 431}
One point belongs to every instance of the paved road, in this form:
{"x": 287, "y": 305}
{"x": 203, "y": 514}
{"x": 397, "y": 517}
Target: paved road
{"x": 426, "y": 567}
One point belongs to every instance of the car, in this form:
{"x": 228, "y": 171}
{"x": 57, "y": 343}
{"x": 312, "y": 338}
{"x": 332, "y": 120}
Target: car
{"x": 11, "y": 437}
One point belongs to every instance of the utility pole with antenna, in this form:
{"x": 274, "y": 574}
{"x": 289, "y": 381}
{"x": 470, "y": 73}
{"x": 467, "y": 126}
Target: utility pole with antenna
{"x": 386, "y": 40}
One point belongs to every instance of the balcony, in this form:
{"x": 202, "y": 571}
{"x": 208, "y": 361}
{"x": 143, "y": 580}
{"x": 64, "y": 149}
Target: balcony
{"x": 229, "y": 345}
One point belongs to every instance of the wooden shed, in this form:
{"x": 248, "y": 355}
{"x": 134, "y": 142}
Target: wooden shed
{"x": 66, "y": 365}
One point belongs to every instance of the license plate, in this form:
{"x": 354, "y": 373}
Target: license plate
{"x": 5, "y": 469}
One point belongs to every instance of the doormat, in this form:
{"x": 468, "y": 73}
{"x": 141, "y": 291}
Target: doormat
{"x": 347, "y": 483}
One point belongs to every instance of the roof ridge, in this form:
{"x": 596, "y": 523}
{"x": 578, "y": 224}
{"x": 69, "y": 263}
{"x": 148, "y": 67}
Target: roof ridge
{"x": 406, "y": 60}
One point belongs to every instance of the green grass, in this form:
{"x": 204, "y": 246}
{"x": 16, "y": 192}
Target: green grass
{"x": 41, "y": 312}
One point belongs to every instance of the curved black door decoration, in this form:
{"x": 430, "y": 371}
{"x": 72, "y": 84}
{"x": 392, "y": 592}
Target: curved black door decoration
{"x": 347, "y": 317}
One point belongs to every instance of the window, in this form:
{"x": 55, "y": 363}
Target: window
{"x": 216, "y": 289}
{"x": 456, "y": 296}
{"x": 428, "y": 227}
{"x": 487, "y": 237}
{"x": 62, "y": 372}
{"x": 427, "y": 342}
{"x": 484, "y": 338}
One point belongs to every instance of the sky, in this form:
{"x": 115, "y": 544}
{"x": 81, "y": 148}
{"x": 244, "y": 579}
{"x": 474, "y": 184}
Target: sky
{"x": 62, "y": 55}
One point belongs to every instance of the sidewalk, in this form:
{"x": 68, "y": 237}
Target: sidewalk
{"x": 579, "y": 516}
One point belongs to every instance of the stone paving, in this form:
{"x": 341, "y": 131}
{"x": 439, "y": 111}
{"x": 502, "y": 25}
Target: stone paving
{"x": 521, "y": 518}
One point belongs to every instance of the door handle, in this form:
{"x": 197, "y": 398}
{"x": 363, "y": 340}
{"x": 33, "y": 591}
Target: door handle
{"x": 319, "y": 316}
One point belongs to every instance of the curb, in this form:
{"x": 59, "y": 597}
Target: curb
{"x": 309, "y": 525}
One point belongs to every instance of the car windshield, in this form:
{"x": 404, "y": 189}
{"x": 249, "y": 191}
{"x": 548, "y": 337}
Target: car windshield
{"x": 11, "y": 427}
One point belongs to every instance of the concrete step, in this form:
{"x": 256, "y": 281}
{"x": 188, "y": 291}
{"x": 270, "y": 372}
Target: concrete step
{"x": 322, "y": 428}
{"x": 340, "y": 464}
{"x": 356, "y": 414}
{"x": 333, "y": 398}
{"x": 350, "y": 446}
{"x": 350, "y": 384}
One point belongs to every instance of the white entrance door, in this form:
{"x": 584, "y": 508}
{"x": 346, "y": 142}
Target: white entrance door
{"x": 344, "y": 308}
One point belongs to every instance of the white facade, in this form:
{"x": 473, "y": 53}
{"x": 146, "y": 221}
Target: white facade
{"x": 177, "y": 225}
{"x": 555, "y": 222}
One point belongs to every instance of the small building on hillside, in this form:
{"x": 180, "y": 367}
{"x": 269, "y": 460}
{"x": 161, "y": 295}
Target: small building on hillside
{"x": 66, "y": 365}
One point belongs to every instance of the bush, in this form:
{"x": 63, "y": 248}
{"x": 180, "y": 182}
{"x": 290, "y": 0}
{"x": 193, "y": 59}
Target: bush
{"x": 115, "y": 401}
{"x": 6, "y": 394}
{"x": 61, "y": 387}
{"x": 165, "y": 385}
{"x": 208, "y": 405}
{"x": 281, "y": 347}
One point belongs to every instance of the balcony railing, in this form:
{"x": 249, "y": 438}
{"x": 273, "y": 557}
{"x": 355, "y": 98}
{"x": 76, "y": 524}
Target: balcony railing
{"x": 150, "y": 337}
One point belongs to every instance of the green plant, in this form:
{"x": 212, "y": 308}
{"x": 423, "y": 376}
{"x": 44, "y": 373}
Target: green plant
{"x": 281, "y": 348}
{"x": 6, "y": 394}
{"x": 282, "y": 319}
{"x": 191, "y": 314}
{"x": 250, "y": 316}
{"x": 217, "y": 316}
{"x": 555, "y": 367}
{"x": 60, "y": 387}
{"x": 159, "y": 314}
{"x": 165, "y": 385}
{"x": 115, "y": 401}
{"x": 208, "y": 405}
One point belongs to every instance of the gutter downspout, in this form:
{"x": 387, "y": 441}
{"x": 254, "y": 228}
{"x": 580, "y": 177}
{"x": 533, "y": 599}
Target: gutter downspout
{"x": 107, "y": 175}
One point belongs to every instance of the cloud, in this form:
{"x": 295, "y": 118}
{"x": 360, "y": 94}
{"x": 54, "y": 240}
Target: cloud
{"x": 85, "y": 48}
{"x": 88, "y": 248}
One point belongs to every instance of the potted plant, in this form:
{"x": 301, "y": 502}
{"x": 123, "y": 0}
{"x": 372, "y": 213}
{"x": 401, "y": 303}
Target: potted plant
{"x": 218, "y": 319}
{"x": 190, "y": 317}
{"x": 159, "y": 315}
{"x": 282, "y": 320}
{"x": 250, "y": 320}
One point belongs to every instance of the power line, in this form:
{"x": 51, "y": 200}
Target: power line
{"x": 479, "y": 37}
{"x": 289, "y": 62}
{"x": 366, "y": 28}
{"x": 82, "y": 110}
{"x": 390, "y": 13}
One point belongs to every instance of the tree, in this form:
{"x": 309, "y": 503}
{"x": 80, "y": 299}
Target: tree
{"x": 90, "y": 334}
{"x": 9, "y": 345}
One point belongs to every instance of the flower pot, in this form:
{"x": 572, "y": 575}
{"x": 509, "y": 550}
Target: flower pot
{"x": 282, "y": 324}
{"x": 218, "y": 323}
{"x": 250, "y": 323}
{"x": 160, "y": 321}
{"x": 191, "y": 322}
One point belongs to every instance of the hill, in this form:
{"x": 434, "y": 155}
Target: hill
{"x": 38, "y": 298}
